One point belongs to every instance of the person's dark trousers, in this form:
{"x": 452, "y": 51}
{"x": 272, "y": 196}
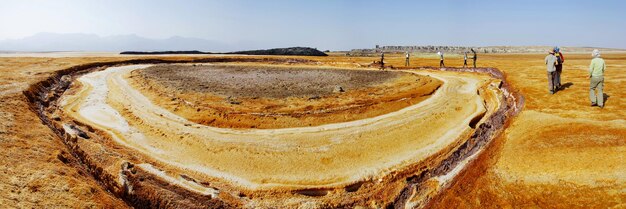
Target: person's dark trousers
{"x": 441, "y": 64}
{"x": 551, "y": 82}
{"x": 474, "y": 63}
{"x": 559, "y": 70}
{"x": 406, "y": 63}
{"x": 465, "y": 63}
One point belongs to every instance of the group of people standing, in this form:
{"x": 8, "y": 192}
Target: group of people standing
{"x": 554, "y": 62}
{"x": 465, "y": 58}
{"x": 440, "y": 53}
{"x": 441, "y": 60}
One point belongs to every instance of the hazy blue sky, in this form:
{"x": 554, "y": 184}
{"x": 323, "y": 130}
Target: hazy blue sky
{"x": 330, "y": 24}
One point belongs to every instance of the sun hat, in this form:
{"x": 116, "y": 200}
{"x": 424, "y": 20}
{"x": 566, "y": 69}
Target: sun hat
{"x": 595, "y": 53}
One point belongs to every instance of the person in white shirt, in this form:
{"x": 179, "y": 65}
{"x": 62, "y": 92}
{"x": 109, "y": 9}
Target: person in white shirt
{"x": 465, "y": 60}
{"x": 406, "y": 63}
{"x": 440, "y": 53}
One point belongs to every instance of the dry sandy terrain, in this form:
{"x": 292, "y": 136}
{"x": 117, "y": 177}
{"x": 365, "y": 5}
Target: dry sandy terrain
{"x": 557, "y": 153}
{"x": 36, "y": 170}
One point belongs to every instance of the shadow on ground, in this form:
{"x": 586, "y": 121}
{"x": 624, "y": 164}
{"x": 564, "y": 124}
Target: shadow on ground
{"x": 566, "y": 85}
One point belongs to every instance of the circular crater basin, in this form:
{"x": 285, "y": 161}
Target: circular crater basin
{"x": 144, "y": 115}
{"x": 268, "y": 97}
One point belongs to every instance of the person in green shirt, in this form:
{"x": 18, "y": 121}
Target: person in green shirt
{"x": 596, "y": 77}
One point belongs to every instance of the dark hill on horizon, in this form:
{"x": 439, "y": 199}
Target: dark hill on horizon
{"x": 296, "y": 51}
{"x": 291, "y": 51}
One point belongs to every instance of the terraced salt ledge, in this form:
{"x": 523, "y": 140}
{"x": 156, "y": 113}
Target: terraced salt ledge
{"x": 322, "y": 156}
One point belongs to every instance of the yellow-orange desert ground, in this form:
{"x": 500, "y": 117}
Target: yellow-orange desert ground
{"x": 138, "y": 131}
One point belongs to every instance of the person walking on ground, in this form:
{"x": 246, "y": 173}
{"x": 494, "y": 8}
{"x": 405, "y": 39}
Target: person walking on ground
{"x": 406, "y": 63}
{"x": 596, "y": 77}
{"x": 559, "y": 66}
{"x": 465, "y": 60}
{"x": 441, "y": 65}
{"x": 550, "y": 63}
{"x": 474, "y": 57}
{"x": 382, "y": 60}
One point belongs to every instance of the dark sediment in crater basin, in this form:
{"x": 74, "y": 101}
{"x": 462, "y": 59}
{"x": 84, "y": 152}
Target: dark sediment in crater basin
{"x": 259, "y": 81}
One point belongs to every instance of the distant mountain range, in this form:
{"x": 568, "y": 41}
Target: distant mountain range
{"x": 90, "y": 42}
